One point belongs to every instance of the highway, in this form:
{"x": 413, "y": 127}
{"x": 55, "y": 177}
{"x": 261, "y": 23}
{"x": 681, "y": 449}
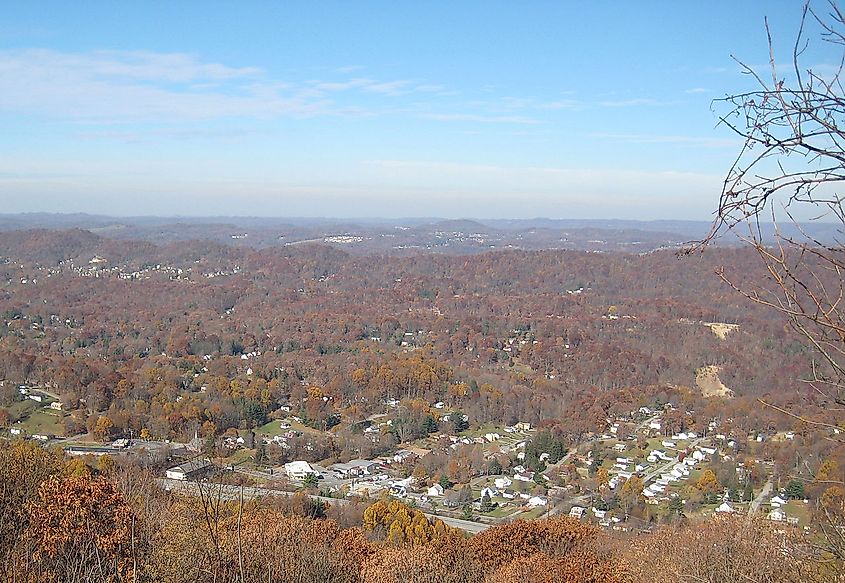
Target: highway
{"x": 230, "y": 492}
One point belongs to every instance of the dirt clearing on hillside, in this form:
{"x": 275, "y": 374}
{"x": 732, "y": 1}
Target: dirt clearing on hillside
{"x": 707, "y": 379}
{"x": 720, "y": 329}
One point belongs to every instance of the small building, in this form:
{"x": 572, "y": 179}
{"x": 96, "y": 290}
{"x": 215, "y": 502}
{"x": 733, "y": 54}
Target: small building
{"x": 577, "y": 512}
{"x": 355, "y": 468}
{"x": 189, "y": 470}
{"x": 502, "y": 483}
{"x": 299, "y": 470}
{"x": 434, "y": 490}
{"x": 489, "y": 492}
{"x": 777, "y": 515}
{"x": 401, "y": 455}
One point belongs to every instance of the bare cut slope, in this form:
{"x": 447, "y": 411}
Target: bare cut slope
{"x": 721, "y": 329}
{"x": 707, "y": 380}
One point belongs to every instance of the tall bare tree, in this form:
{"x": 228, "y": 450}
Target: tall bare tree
{"x": 783, "y": 196}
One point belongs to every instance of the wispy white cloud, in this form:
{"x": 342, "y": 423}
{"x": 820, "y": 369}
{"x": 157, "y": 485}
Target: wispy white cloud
{"x": 143, "y": 86}
{"x": 636, "y": 102}
{"x": 517, "y": 119}
{"x": 695, "y": 141}
{"x": 179, "y": 133}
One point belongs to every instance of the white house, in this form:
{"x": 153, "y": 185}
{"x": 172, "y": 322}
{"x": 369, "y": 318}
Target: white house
{"x": 536, "y": 501}
{"x": 577, "y": 512}
{"x": 435, "y": 490}
{"x": 489, "y": 492}
{"x": 502, "y": 483}
{"x": 777, "y": 515}
{"x": 299, "y": 470}
{"x": 725, "y": 508}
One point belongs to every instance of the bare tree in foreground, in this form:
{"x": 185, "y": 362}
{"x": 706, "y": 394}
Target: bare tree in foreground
{"x": 782, "y": 196}
{"x": 783, "y": 190}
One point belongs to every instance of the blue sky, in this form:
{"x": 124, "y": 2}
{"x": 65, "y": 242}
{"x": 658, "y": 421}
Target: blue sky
{"x": 343, "y": 109}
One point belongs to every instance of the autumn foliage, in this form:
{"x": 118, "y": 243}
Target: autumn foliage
{"x": 73, "y": 527}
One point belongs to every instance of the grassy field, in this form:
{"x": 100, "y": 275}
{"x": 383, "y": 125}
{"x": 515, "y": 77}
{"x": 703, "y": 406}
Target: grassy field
{"x": 798, "y": 509}
{"x": 35, "y": 419}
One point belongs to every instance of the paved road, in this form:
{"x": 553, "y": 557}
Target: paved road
{"x": 755, "y": 505}
{"x": 228, "y": 492}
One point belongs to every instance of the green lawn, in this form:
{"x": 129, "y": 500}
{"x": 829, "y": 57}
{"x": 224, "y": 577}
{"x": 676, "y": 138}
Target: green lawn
{"x": 535, "y": 513}
{"x": 41, "y": 421}
{"x": 503, "y": 510}
{"x": 270, "y": 428}
{"x": 798, "y": 509}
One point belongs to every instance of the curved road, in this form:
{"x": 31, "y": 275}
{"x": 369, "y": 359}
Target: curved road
{"x": 229, "y": 492}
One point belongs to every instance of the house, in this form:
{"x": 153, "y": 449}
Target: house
{"x": 509, "y": 494}
{"x": 401, "y": 455}
{"x": 725, "y": 508}
{"x": 525, "y": 477}
{"x": 577, "y": 512}
{"x": 435, "y": 490}
{"x": 502, "y": 483}
{"x": 56, "y": 405}
{"x": 777, "y": 515}
{"x": 299, "y": 470}
{"x": 189, "y": 470}
{"x": 777, "y": 502}
{"x": 522, "y": 426}
{"x": 599, "y": 513}
{"x": 16, "y": 431}
{"x": 355, "y": 468}
{"x": 489, "y": 492}
{"x": 536, "y": 501}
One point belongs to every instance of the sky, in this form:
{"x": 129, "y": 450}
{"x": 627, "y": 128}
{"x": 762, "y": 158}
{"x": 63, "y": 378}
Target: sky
{"x": 483, "y": 109}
